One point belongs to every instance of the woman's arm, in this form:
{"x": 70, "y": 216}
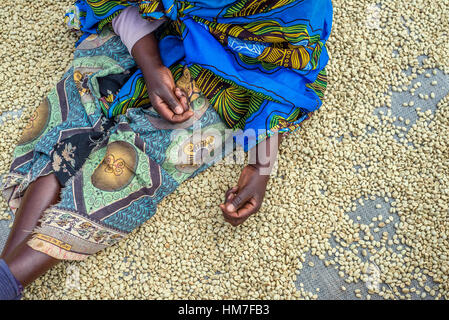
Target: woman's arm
{"x": 168, "y": 100}
{"x": 246, "y": 197}
{"x": 137, "y": 34}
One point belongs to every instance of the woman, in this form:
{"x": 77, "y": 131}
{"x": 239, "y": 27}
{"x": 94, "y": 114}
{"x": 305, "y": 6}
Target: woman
{"x": 147, "y": 107}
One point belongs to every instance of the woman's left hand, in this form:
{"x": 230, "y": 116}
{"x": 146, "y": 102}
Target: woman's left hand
{"x": 167, "y": 99}
{"x": 246, "y": 198}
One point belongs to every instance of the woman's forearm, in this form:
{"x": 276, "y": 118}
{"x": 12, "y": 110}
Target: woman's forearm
{"x": 264, "y": 155}
{"x": 146, "y": 54}
{"x": 167, "y": 99}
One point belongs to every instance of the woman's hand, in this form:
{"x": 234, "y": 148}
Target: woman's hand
{"x": 246, "y": 198}
{"x": 168, "y": 100}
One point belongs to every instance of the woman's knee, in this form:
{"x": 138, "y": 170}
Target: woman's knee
{"x": 46, "y": 188}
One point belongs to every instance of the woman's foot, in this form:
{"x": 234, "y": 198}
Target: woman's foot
{"x": 246, "y": 198}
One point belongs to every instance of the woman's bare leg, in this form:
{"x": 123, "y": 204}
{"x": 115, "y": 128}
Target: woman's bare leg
{"x": 39, "y": 195}
{"x": 25, "y": 263}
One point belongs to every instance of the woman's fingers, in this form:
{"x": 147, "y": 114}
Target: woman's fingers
{"x": 245, "y": 211}
{"x": 240, "y": 198}
{"x": 178, "y": 118}
{"x": 227, "y": 216}
{"x": 161, "y": 108}
{"x": 182, "y": 97}
{"x": 172, "y": 101}
{"x": 246, "y": 208}
{"x": 238, "y": 206}
{"x": 238, "y": 217}
{"x": 230, "y": 193}
{"x": 166, "y": 112}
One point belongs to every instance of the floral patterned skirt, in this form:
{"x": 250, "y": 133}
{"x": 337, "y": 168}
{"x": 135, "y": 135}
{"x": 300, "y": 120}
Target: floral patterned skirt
{"x": 114, "y": 171}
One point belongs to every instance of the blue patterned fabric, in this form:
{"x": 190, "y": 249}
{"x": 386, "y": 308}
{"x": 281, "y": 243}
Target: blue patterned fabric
{"x": 260, "y": 63}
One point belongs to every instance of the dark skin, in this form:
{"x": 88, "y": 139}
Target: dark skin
{"x": 167, "y": 99}
{"x": 241, "y": 201}
{"x": 245, "y": 199}
{"x": 25, "y": 263}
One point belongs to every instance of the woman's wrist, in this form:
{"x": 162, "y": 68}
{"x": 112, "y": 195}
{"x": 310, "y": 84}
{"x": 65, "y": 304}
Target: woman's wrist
{"x": 146, "y": 54}
{"x": 261, "y": 169}
{"x": 263, "y": 156}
